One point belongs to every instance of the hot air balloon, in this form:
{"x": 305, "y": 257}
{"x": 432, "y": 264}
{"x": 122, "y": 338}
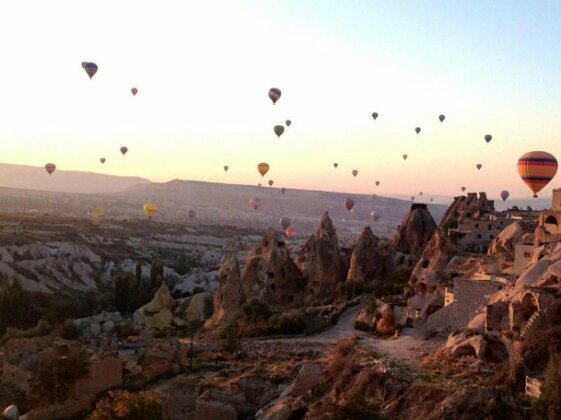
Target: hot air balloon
{"x": 263, "y": 168}
{"x": 412, "y": 198}
{"x": 102, "y": 160}
{"x": 290, "y": 232}
{"x": 374, "y": 216}
{"x": 288, "y": 122}
{"x": 404, "y": 157}
{"x": 271, "y": 182}
{"x": 377, "y": 183}
{"x": 537, "y": 169}
{"x": 134, "y": 91}
{"x": 226, "y": 167}
{"x": 124, "y": 150}
{"x": 283, "y": 190}
{"x": 463, "y": 189}
{"x": 180, "y": 215}
{"x": 191, "y": 214}
{"x": 421, "y": 193}
{"x": 50, "y": 168}
{"x": 417, "y": 130}
{"x": 278, "y": 129}
{"x": 254, "y": 202}
{"x": 374, "y": 115}
{"x": 90, "y": 68}
{"x": 285, "y": 222}
{"x": 504, "y": 194}
{"x": 95, "y": 214}
{"x": 274, "y": 94}
{"x": 441, "y": 117}
{"x": 349, "y": 203}
{"x": 335, "y": 165}
{"x": 355, "y": 172}
{"x": 150, "y": 209}
{"x": 488, "y": 137}
{"x": 479, "y": 166}
{"x": 373, "y": 196}
{"x": 431, "y": 199}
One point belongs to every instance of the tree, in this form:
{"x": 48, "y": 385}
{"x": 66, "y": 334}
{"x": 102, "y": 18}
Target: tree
{"x": 122, "y": 287}
{"x": 15, "y": 304}
{"x": 53, "y": 378}
{"x": 181, "y": 266}
{"x": 156, "y": 274}
{"x": 549, "y": 405}
{"x": 125, "y": 405}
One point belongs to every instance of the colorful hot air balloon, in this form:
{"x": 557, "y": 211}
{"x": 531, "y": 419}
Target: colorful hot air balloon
{"x": 274, "y": 94}
{"x": 50, "y": 168}
{"x": 285, "y": 222}
{"x": 254, "y": 202}
{"x": 537, "y": 169}
{"x": 263, "y": 168}
{"x": 441, "y": 117}
{"x": 283, "y": 190}
{"x": 290, "y": 232}
{"x": 479, "y": 166}
{"x": 335, "y": 165}
{"x": 417, "y": 130}
{"x": 271, "y": 182}
{"x": 102, "y": 160}
{"x": 404, "y": 157}
{"x": 134, "y": 91}
{"x": 124, "y": 150}
{"x": 488, "y": 137}
{"x": 349, "y": 203}
{"x": 374, "y": 216}
{"x": 90, "y": 68}
{"x": 226, "y": 167}
{"x": 150, "y": 210}
{"x": 377, "y": 183}
{"x": 278, "y": 129}
{"x": 374, "y": 115}
{"x": 504, "y": 194}
{"x": 288, "y": 122}
{"x": 355, "y": 172}
{"x": 463, "y": 189}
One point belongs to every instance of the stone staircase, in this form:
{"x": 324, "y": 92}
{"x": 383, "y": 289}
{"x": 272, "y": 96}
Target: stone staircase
{"x": 532, "y": 321}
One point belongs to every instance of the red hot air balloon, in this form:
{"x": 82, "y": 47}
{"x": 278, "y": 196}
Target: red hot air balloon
{"x": 349, "y": 204}
{"x": 537, "y": 169}
{"x": 90, "y": 68}
{"x": 134, "y": 91}
{"x": 290, "y": 232}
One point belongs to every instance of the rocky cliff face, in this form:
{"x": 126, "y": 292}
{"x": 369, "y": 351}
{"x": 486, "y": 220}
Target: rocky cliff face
{"x": 414, "y": 233}
{"x": 430, "y": 270}
{"x": 320, "y": 262}
{"x": 468, "y": 207}
{"x": 271, "y": 275}
{"x": 367, "y": 261}
{"x": 504, "y": 244}
{"x": 229, "y": 298}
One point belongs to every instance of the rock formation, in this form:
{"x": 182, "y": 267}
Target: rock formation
{"x": 271, "y": 275}
{"x": 505, "y": 242}
{"x": 158, "y": 312}
{"x": 367, "y": 262}
{"x": 468, "y": 207}
{"x": 229, "y": 298}
{"x": 320, "y": 262}
{"x": 430, "y": 270}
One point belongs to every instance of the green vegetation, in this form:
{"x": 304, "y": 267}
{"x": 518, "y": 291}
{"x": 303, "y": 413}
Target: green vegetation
{"x": 70, "y": 331}
{"x": 15, "y": 305}
{"x": 549, "y": 405}
{"x": 256, "y": 310}
{"x": 125, "y": 405}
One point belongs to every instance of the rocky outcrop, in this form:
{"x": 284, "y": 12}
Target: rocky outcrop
{"x": 200, "y": 308}
{"x": 430, "y": 270}
{"x": 158, "y": 312}
{"x": 468, "y": 207}
{"x": 271, "y": 275}
{"x": 504, "y": 244}
{"x": 415, "y": 232}
{"x": 367, "y": 261}
{"x": 229, "y": 298}
{"x": 320, "y": 262}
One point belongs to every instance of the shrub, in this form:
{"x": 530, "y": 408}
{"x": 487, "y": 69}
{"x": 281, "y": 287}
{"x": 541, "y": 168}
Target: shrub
{"x": 549, "y": 405}
{"x": 356, "y": 407}
{"x": 292, "y": 324}
{"x": 125, "y": 405}
{"x": 256, "y": 310}
{"x": 70, "y": 331}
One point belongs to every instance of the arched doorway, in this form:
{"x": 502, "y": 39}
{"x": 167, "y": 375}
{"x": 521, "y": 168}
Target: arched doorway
{"x": 528, "y": 306}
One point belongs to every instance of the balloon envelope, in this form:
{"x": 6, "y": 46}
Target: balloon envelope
{"x": 377, "y": 183}
{"x": 278, "y": 129}
{"x": 134, "y": 91}
{"x": 335, "y": 165}
{"x": 288, "y": 122}
{"x": 102, "y": 160}
{"x": 285, "y": 222}
{"x": 488, "y": 137}
{"x": 263, "y": 168}
{"x": 90, "y": 68}
{"x": 404, "y": 157}
{"x": 349, "y": 203}
{"x": 374, "y": 115}
{"x": 254, "y": 202}
{"x": 441, "y": 117}
{"x": 150, "y": 209}
{"x": 226, "y": 167}
{"x": 290, "y": 232}
{"x": 283, "y": 190}
{"x": 417, "y": 130}
{"x": 50, "y": 168}
{"x": 271, "y": 182}
{"x": 374, "y": 216}
{"x": 355, "y": 172}
{"x": 191, "y": 214}
{"x": 504, "y": 194}
{"x": 537, "y": 169}
{"x": 124, "y": 150}
{"x": 463, "y": 188}
{"x": 274, "y": 94}
{"x": 479, "y": 166}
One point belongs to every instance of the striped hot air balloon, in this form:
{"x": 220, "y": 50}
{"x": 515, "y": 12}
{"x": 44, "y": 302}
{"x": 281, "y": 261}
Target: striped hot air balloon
{"x": 537, "y": 169}
{"x": 274, "y": 94}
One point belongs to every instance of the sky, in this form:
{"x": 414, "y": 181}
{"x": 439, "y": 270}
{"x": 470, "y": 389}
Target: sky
{"x": 203, "y": 70}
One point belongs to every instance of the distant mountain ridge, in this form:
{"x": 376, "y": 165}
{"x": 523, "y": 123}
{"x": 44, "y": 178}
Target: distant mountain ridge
{"x": 36, "y": 178}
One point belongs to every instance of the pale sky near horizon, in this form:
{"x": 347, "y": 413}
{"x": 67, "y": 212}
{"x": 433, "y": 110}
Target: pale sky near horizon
{"x": 203, "y": 69}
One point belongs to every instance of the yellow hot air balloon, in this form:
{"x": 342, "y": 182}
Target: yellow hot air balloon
{"x": 263, "y": 168}
{"x": 50, "y": 168}
{"x": 150, "y": 209}
{"x": 537, "y": 169}
{"x": 95, "y": 214}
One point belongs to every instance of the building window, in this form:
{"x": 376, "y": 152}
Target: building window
{"x": 479, "y": 236}
{"x": 490, "y": 227}
{"x": 477, "y": 225}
